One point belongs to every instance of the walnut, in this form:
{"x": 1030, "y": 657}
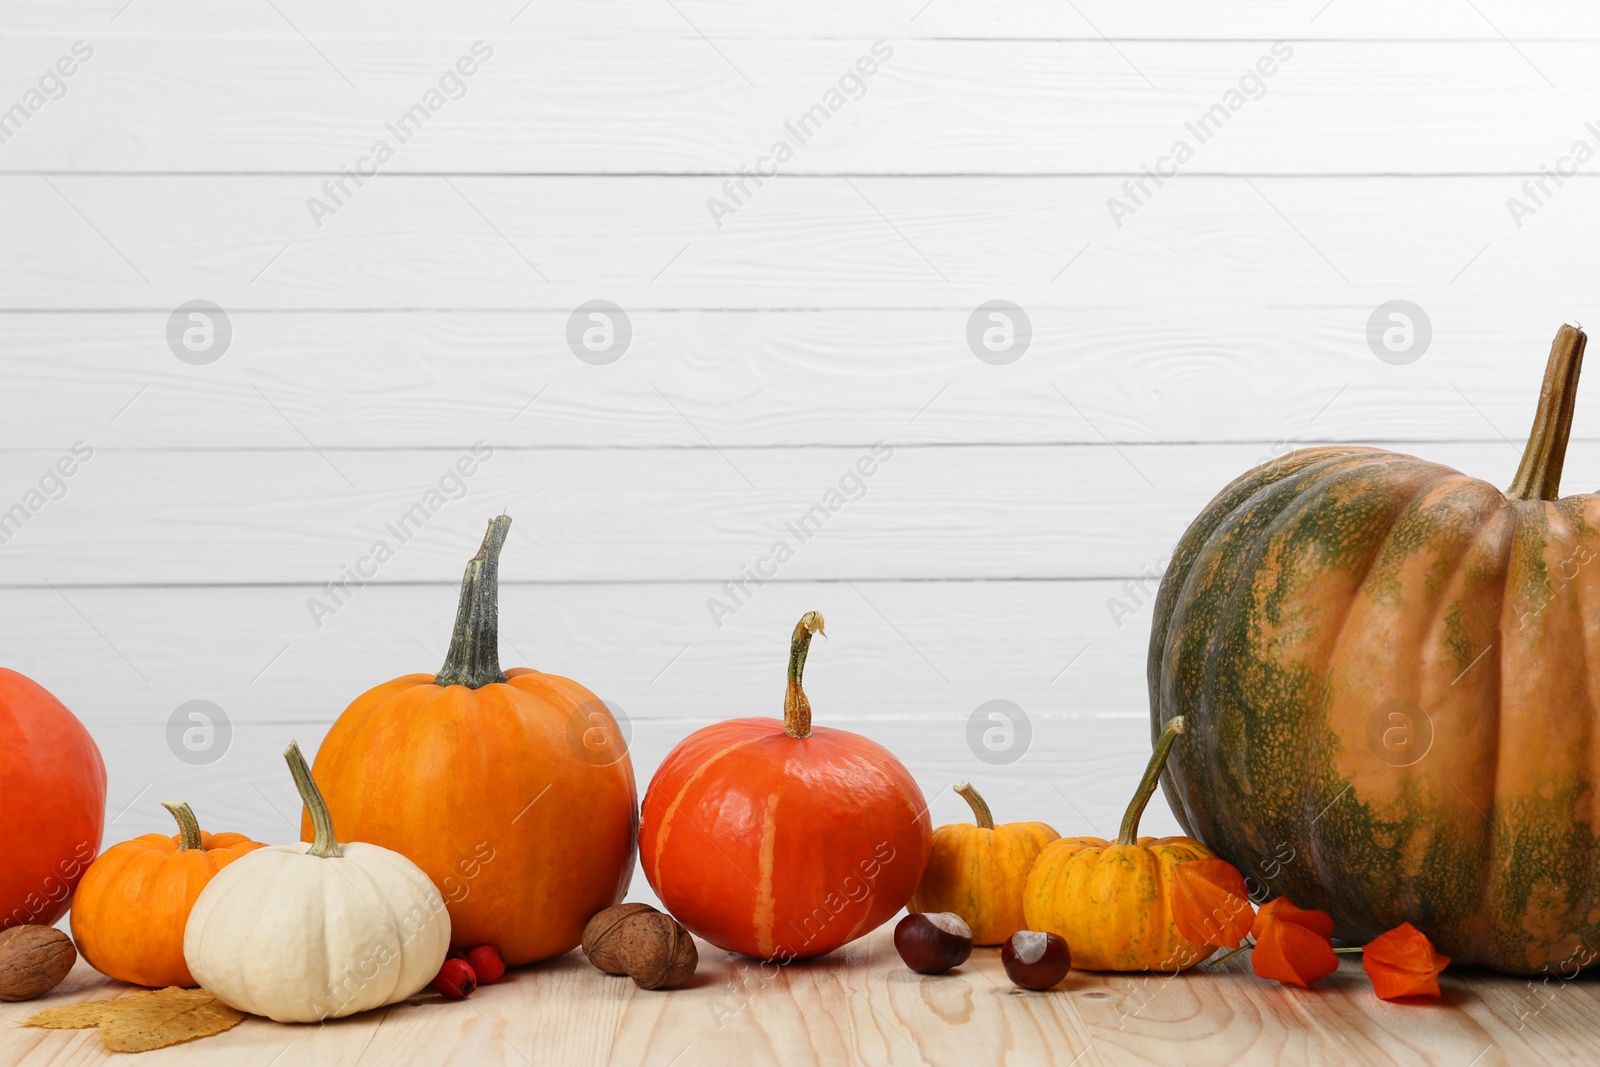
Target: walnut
{"x": 33, "y": 960}
{"x": 649, "y": 946}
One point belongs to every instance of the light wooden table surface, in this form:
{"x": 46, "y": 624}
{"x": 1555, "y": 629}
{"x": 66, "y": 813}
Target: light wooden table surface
{"x": 863, "y": 1006}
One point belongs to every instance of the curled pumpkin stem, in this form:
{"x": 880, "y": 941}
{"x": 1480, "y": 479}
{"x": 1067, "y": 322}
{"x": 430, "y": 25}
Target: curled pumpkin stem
{"x": 188, "y": 825}
{"x": 980, "y": 807}
{"x": 796, "y": 708}
{"x": 1151, "y": 779}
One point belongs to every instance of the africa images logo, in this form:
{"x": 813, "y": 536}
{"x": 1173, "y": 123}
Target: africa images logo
{"x": 851, "y": 85}
{"x": 451, "y": 85}
{"x": 52, "y": 85}
{"x": 1251, "y": 85}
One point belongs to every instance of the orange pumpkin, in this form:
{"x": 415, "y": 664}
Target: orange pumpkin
{"x": 1112, "y": 902}
{"x": 768, "y": 837}
{"x": 133, "y": 902}
{"x": 979, "y": 871}
{"x": 513, "y": 790}
{"x": 53, "y": 793}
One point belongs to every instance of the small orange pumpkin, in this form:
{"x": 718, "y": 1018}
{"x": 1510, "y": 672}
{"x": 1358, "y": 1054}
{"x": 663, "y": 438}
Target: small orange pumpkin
{"x": 979, "y": 871}
{"x": 134, "y": 900}
{"x": 1112, "y": 902}
{"x": 780, "y": 840}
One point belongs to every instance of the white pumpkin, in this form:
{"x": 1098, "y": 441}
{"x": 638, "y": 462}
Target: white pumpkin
{"x": 306, "y": 932}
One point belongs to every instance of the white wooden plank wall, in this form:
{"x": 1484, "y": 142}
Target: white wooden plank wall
{"x": 1220, "y": 317}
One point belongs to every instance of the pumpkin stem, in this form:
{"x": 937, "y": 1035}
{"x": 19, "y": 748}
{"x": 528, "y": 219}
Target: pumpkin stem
{"x": 979, "y": 806}
{"x": 796, "y": 708}
{"x": 323, "y": 843}
{"x": 188, "y": 825}
{"x": 1151, "y": 779}
{"x": 474, "y": 656}
{"x": 1539, "y": 474}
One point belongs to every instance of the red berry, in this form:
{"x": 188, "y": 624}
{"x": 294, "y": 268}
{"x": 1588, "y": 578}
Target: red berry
{"x": 456, "y": 979}
{"x": 487, "y": 963}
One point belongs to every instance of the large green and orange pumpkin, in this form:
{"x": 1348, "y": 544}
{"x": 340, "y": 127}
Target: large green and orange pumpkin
{"x": 1390, "y": 673}
{"x": 512, "y": 789}
{"x": 781, "y": 840}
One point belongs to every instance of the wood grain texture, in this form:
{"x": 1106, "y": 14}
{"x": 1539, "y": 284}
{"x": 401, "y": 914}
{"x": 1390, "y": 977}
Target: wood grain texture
{"x": 195, "y": 103}
{"x": 800, "y": 378}
{"x": 94, "y": 242}
{"x": 860, "y": 1005}
{"x": 822, "y": 19}
{"x": 701, "y": 515}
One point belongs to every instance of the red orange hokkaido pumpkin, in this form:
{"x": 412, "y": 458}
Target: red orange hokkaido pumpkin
{"x": 513, "y": 790}
{"x": 779, "y": 840}
{"x": 53, "y": 794}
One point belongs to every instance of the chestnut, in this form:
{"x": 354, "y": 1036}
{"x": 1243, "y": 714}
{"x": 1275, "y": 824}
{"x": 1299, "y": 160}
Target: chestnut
{"x": 1035, "y": 960}
{"x": 933, "y": 942}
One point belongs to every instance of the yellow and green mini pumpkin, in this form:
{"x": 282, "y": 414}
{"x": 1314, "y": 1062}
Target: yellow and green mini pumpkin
{"x": 1112, "y": 901}
{"x": 978, "y": 870}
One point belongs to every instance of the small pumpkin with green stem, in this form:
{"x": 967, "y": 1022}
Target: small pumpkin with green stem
{"x": 978, "y": 870}
{"x": 781, "y": 840}
{"x": 1112, "y": 901}
{"x": 131, "y": 907}
{"x": 316, "y": 930}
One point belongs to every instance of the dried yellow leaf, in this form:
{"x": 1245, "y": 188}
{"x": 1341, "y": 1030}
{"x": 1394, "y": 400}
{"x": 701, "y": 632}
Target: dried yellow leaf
{"x": 70, "y": 1016}
{"x": 146, "y": 1020}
